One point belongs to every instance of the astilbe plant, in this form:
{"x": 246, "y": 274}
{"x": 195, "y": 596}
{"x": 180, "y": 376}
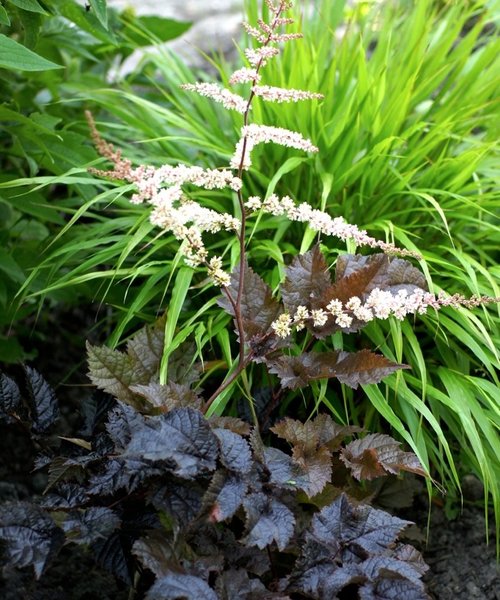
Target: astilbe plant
{"x": 211, "y": 506}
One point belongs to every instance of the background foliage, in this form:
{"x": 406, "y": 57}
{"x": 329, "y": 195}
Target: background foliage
{"x": 407, "y": 136}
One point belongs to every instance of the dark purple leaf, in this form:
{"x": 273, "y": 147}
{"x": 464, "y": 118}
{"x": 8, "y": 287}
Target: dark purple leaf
{"x": 89, "y": 525}
{"x": 317, "y": 432}
{"x": 176, "y": 586}
{"x": 306, "y": 279}
{"x": 387, "y": 567}
{"x": 181, "y": 500}
{"x": 28, "y": 535}
{"x": 224, "y": 496}
{"x": 365, "y": 273}
{"x": 235, "y": 584}
{"x": 235, "y": 453}
{"x": 114, "y": 372}
{"x": 352, "y": 369}
{"x": 392, "y": 589}
{"x": 267, "y": 520}
{"x": 233, "y": 424}
{"x": 182, "y": 368}
{"x": 145, "y": 348}
{"x": 156, "y": 553}
{"x": 364, "y": 367}
{"x": 258, "y": 307}
{"x": 122, "y": 421}
{"x": 376, "y": 455}
{"x": 342, "y": 524}
{"x": 326, "y": 579}
{"x": 181, "y": 437}
{"x": 67, "y": 495}
{"x": 10, "y": 398}
{"x": 112, "y": 555}
{"x": 412, "y": 556}
{"x": 310, "y": 474}
{"x": 168, "y": 396}
{"x": 45, "y": 410}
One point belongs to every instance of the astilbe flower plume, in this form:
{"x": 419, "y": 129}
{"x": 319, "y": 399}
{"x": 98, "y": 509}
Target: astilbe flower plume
{"x": 379, "y": 304}
{"x": 163, "y": 187}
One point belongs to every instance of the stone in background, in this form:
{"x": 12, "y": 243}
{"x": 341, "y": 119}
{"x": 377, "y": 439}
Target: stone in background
{"x": 215, "y": 24}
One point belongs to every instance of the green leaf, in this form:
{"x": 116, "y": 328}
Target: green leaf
{"x": 4, "y": 17}
{"x": 31, "y": 23}
{"x": 16, "y": 56}
{"x": 10, "y": 267}
{"x": 101, "y": 11}
{"x": 143, "y": 31}
{"x": 29, "y": 5}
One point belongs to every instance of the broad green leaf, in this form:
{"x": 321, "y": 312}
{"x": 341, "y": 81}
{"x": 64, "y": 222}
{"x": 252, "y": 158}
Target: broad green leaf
{"x": 101, "y": 11}
{"x": 29, "y": 5}
{"x": 143, "y": 31}
{"x": 16, "y": 56}
{"x": 4, "y": 17}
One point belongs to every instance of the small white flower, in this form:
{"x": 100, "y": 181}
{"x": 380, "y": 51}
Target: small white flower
{"x": 343, "y": 320}
{"x": 301, "y": 314}
{"x": 260, "y": 56}
{"x": 216, "y": 273}
{"x": 218, "y": 94}
{"x": 319, "y": 317}
{"x": 254, "y": 134}
{"x": 277, "y": 94}
{"x": 363, "y": 314}
{"x": 281, "y": 326}
{"x": 253, "y": 203}
{"x": 353, "y": 303}
{"x": 334, "y": 307}
{"x": 244, "y": 75}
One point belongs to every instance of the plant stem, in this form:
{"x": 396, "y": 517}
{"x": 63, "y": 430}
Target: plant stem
{"x": 227, "y": 382}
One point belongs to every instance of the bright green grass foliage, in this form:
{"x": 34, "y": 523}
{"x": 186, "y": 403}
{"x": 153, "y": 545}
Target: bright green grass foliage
{"x": 406, "y": 134}
{"x": 408, "y": 137}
